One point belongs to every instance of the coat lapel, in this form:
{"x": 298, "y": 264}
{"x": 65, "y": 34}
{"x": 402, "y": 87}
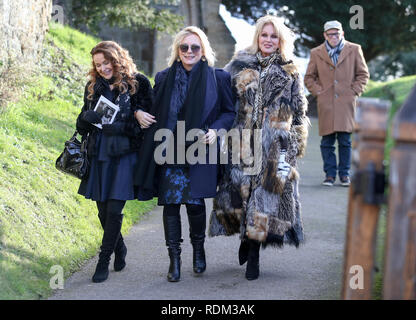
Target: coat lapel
{"x": 344, "y": 52}
{"x": 324, "y": 54}
{"x": 211, "y": 95}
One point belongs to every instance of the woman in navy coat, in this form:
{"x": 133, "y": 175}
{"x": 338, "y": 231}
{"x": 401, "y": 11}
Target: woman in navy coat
{"x": 191, "y": 97}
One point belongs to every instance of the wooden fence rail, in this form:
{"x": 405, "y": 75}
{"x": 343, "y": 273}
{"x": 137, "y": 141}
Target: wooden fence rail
{"x": 366, "y": 194}
{"x": 400, "y": 260}
{"x": 364, "y": 197}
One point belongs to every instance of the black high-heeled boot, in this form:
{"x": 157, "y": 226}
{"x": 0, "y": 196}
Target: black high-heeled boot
{"x": 110, "y": 238}
{"x": 120, "y": 253}
{"x": 197, "y": 226}
{"x": 253, "y": 267}
{"x": 120, "y": 250}
{"x": 174, "y": 273}
{"x": 173, "y": 234}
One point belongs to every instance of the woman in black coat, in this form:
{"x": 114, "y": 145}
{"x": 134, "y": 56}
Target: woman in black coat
{"x": 113, "y": 148}
{"x": 189, "y": 95}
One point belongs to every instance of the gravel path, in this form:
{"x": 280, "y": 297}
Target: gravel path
{"x": 314, "y": 271}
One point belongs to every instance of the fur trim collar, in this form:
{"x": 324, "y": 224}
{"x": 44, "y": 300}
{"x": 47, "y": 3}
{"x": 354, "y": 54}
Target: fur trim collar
{"x": 245, "y": 60}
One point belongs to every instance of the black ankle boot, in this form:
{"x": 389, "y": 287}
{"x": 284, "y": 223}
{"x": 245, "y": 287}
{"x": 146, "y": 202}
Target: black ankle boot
{"x": 101, "y": 271}
{"x": 199, "y": 263}
{"x": 120, "y": 253}
{"x": 243, "y": 252}
{"x": 173, "y": 234}
{"x": 197, "y": 226}
{"x": 252, "y": 270}
{"x": 110, "y": 238}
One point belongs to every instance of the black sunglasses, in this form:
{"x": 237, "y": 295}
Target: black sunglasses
{"x": 184, "y": 48}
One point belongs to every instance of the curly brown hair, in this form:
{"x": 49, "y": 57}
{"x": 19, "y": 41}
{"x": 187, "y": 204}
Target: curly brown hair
{"x": 124, "y": 69}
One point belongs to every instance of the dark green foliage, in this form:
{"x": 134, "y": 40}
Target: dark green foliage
{"x": 395, "y": 65}
{"x": 389, "y": 25}
{"x": 132, "y": 14}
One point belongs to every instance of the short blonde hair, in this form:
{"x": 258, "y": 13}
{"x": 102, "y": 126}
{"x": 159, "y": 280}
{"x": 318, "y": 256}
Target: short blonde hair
{"x": 206, "y": 47}
{"x": 286, "y": 36}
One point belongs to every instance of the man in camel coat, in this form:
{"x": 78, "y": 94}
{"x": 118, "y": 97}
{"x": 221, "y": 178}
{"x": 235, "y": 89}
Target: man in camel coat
{"x": 337, "y": 74}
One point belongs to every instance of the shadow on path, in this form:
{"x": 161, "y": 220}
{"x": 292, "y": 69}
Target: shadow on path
{"x": 311, "y": 272}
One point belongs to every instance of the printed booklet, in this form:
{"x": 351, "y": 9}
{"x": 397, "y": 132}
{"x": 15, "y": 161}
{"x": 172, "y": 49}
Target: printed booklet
{"x": 106, "y": 110}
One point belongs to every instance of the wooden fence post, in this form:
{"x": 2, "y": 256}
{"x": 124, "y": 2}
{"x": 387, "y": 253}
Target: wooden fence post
{"x": 365, "y": 196}
{"x": 400, "y": 259}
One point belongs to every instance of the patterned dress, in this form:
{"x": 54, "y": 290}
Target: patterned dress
{"x": 174, "y": 181}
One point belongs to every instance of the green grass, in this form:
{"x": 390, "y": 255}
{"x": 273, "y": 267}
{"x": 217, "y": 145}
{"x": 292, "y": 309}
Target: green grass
{"x": 74, "y": 41}
{"x": 395, "y": 91}
{"x": 43, "y": 221}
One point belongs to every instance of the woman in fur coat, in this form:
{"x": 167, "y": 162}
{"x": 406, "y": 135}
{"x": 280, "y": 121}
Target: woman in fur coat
{"x": 259, "y": 199}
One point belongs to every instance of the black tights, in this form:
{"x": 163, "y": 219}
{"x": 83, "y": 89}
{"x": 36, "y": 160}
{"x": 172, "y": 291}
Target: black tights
{"x": 109, "y": 208}
{"x": 191, "y": 209}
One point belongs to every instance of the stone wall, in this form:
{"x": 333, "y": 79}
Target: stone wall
{"x": 138, "y": 43}
{"x": 150, "y": 49}
{"x": 204, "y": 14}
{"x": 218, "y": 34}
{"x": 23, "y": 24}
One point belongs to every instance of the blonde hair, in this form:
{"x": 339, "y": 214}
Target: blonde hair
{"x": 206, "y": 47}
{"x": 124, "y": 69}
{"x": 285, "y": 35}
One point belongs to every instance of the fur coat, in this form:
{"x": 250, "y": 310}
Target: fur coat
{"x": 264, "y": 206}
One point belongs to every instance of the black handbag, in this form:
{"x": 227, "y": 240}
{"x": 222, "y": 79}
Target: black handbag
{"x": 74, "y": 159}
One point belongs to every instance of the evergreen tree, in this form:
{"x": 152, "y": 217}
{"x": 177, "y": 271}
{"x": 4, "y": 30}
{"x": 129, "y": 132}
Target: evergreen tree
{"x": 134, "y": 14}
{"x": 389, "y": 25}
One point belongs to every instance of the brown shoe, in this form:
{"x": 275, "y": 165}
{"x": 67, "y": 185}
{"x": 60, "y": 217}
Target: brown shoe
{"x": 345, "y": 181}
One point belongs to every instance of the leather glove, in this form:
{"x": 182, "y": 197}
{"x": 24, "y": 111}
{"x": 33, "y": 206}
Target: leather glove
{"x": 91, "y": 116}
{"x": 113, "y": 129}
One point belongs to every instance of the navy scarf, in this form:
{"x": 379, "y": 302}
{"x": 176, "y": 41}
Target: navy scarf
{"x": 190, "y": 112}
{"x": 335, "y": 52}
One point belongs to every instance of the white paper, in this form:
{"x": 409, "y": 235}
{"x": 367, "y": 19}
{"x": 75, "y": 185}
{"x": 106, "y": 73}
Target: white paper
{"x": 106, "y": 110}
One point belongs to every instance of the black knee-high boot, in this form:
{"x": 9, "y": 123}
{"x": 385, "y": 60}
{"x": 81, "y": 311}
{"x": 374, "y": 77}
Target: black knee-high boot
{"x": 120, "y": 253}
{"x": 173, "y": 237}
{"x": 252, "y": 270}
{"x": 197, "y": 226}
{"x": 113, "y": 222}
{"x": 120, "y": 250}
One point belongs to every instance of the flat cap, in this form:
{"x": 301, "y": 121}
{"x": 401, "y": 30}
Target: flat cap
{"x": 334, "y": 24}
